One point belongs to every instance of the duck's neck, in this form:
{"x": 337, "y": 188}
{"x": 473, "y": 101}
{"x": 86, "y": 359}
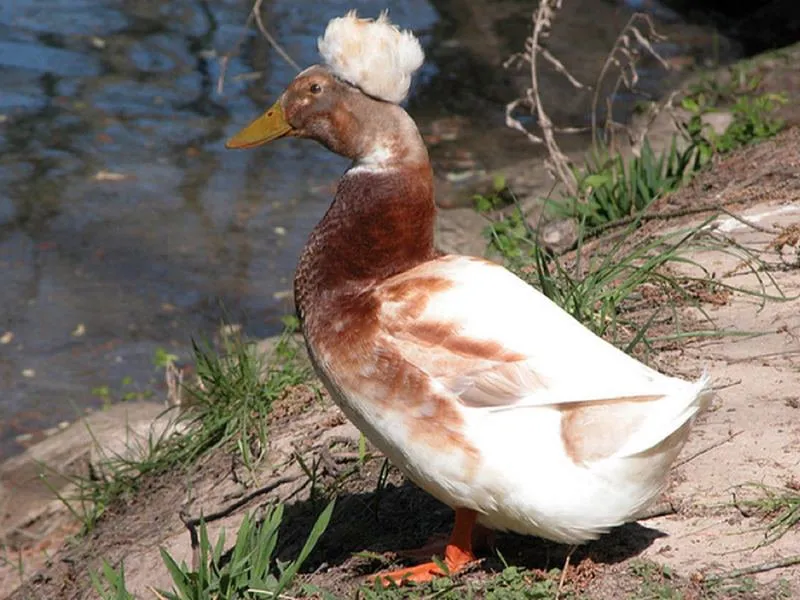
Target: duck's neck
{"x": 381, "y": 223}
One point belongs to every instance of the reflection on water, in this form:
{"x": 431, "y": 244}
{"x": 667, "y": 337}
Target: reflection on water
{"x": 124, "y": 225}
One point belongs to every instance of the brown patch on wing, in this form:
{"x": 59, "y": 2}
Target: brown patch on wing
{"x": 595, "y": 430}
{"x": 479, "y": 372}
{"x": 412, "y": 293}
{"x": 350, "y": 338}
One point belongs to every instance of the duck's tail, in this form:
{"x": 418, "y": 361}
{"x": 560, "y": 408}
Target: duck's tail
{"x": 680, "y": 406}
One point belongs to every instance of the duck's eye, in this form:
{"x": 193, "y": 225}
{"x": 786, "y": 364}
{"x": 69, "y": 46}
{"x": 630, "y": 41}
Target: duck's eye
{"x": 316, "y": 88}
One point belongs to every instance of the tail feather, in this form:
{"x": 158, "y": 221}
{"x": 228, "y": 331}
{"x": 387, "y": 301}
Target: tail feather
{"x": 676, "y": 409}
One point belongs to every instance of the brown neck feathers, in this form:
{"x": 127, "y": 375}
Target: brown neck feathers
{"x": 381, "y": 223}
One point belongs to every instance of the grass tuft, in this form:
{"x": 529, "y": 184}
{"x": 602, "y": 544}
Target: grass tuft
{"x": 248, "y": 570}
{"x": 228, "y": 405}
{"x": 778, "y": 507}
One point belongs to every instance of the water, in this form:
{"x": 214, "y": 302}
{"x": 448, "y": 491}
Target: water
{"x": 125, "y": 227}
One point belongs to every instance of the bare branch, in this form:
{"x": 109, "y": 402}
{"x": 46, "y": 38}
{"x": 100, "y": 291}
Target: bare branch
{"x": 623, "y": 57}
{"x": 256, "y": 12}
{"x": 255, "y": 15}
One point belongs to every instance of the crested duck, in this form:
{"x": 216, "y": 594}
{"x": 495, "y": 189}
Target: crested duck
{"x": 520, "y": 419}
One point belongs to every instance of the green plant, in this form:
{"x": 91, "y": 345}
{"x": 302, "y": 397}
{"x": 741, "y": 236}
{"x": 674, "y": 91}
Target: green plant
{"x": 779, "y": 507}
{"x": 656, "y": 582}
{"x": 110, "y": 583}
{"x": 512, "y": 583}
{"x": 753, "y": 120}
{"x": 611, "y": 188}
{"x": 230, "y": 404}
{"x": 128, "y": 391}
{"x": 250, "y": 569}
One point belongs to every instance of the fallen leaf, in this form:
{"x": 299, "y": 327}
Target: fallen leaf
{"x": 79, "y": 330}
{"x": 7, "y": 337}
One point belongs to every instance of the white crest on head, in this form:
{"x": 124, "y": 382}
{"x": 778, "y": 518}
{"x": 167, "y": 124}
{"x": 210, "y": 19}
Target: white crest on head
{"x": 375, "y": 56}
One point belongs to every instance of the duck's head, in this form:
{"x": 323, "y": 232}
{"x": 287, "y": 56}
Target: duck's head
{"x": 350, "y": 102}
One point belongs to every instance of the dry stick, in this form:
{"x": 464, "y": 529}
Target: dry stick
{"x": 558, "y": 164}
{"x": 789, "y": 561}
{"x": 541, "y": 24}
{"x": 622, "y": 46}
{"x": 673, "y": 214}
{"x": 191, "y": 523}
{"x": 255, "y": 14}
{"x": 229, "y": 54}
{"x": 709, "y": 448}
{"x": 564, "y": 572}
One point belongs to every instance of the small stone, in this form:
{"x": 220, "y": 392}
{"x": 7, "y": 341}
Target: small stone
{"x": 7, "y": 338}
{"x": 280, "y": 230}
{"x": 28, "y": 373}
{"x": 560, "y": 236}
{"x": 718, "y": 121}
{"x": 79, "y": 331}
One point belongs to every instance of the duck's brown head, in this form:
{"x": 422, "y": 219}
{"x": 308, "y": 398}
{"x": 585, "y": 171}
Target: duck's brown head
{"x": 350, "y": 104}
{"x": 318, "y": 105}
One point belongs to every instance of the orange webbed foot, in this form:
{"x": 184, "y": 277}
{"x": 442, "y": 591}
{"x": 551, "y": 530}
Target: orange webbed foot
{"x": 455, "y": 560}
{"x": 457, "y": 555}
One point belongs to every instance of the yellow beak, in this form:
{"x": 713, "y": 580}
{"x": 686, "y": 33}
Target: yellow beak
{"x": 269, "y": 126}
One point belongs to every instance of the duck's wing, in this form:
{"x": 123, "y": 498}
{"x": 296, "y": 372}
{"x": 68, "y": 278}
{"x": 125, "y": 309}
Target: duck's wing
{"x": 486, "y": 336}
{"x": 483, "y": 335}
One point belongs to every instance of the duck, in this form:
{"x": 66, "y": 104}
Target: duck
{"x": 518, "y": 418}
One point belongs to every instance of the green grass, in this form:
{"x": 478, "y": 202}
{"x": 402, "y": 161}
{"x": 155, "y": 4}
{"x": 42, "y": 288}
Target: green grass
{"x": 778, "y": 507}
{"x": 512, "y": 583}
{"x": 656, "y": 582}
{"x": 612, "y": 188}
{"x": 228, "y": 406}
{"x": 248, "y": 570}
{"x": 753, "y": 121}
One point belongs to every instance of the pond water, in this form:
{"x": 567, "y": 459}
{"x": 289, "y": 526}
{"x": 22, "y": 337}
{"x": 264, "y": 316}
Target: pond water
{"x": 125, "y": 226}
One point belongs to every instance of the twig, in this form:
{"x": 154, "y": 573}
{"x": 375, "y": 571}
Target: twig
{"x": 191, "y": 523}
{"x": 255, "y": 14}
{"x": 660, "y": 509}
{"x": 709, "y": 448}
{"x": 558, "y": 163}
{"x": 564, "y": 572}
{"x": 623, "y": 56}
{"x": 665, "y": 215}
{"x": 748, "y": 222}
{"x": 725, "y": 386}
{"x": 224, "y": 512}
{"x": 789, "y": 561}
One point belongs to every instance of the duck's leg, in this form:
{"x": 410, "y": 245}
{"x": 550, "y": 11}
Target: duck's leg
{"x": 483, "y": 540}
{"x": 457, "y": 554}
